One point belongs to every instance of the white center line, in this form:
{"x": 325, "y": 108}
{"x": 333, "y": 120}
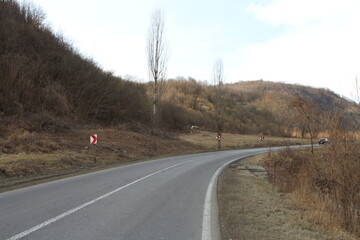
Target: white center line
{"x": 57, "y": 218}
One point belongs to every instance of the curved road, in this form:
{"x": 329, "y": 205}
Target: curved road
{"x": 172, "y": 198}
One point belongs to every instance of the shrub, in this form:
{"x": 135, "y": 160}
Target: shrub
{"x": 329, "y": 179}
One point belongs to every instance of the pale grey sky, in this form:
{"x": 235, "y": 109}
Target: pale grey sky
{"x": 309, "y": 42}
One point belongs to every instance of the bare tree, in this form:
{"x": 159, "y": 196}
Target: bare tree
{"x": 218, "y": 79}
{"x": 33, "y": 13}
{"x": 306, "y": 113}
{"x": 157, "y": 60}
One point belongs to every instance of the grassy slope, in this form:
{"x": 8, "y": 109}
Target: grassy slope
{"x": 38, "y": 155}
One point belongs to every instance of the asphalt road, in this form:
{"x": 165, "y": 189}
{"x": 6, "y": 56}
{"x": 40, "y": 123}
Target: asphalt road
{"x": 172, "y": 198}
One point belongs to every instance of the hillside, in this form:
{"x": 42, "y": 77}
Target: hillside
{"x": 323, "y": 99}
{"x": 257, "y": 107}
{"x": 324, "y": 104}
{"x": 46, "y": 83}
{"x": 48, "y": 86}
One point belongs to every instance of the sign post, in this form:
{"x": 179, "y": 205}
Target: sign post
{"x": 93, "y": 141}
{"x": 218, "y": 138}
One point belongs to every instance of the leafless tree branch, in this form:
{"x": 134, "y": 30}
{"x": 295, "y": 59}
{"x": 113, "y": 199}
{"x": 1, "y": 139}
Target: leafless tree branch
{"x": 157, "y": 59}
{"x": 218, "y": 79}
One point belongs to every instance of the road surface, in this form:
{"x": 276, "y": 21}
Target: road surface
{"x": 172, "y": 198}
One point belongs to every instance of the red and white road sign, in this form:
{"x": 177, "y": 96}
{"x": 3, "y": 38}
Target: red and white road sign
{"x": 218, "y": 137}
{"x": 93, "y": 138}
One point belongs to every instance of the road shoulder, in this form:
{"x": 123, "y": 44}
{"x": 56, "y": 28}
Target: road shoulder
{"x": 250, "y": 208}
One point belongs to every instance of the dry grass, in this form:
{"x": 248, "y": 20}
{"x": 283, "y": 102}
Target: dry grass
{"x": 250, "y": 208}
{"x": 238, "y": 141}
{"x": 325, "y": 184}
{"x": 25, "y": 155}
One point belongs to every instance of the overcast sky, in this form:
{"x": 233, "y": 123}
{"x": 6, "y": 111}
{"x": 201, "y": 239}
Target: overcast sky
{"x": 309, "y": 42}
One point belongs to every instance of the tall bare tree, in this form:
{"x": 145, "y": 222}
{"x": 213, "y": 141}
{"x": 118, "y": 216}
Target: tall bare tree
{"x": 157, "y": 60}
{"x": 218, "y": 79}
{"x": 306, "y": 113}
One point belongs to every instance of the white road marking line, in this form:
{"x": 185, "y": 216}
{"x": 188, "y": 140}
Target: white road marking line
{"x": 206, "y": 233}
{"x": 57, "y": 218}
{"x": 206, "y": 226}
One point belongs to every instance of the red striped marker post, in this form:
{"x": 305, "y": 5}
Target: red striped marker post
{"x": 93, "y": 141}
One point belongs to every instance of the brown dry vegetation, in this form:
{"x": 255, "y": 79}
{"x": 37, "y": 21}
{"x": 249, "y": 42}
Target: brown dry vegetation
{"x": 238, "y": 141}
{"x": 25, "y": 156}
{"x": 251, "y": 208}
{"x": 326, "y": 183}
{"x": 44, "y": 76}
{"x": 255, "y": 107}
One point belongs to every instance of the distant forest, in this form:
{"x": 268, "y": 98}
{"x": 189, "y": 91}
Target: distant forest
{"x": 45, "y": 83}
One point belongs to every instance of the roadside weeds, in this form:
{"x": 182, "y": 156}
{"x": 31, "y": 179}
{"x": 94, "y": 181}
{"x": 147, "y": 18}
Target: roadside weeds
{"x": 251, "y": 208}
